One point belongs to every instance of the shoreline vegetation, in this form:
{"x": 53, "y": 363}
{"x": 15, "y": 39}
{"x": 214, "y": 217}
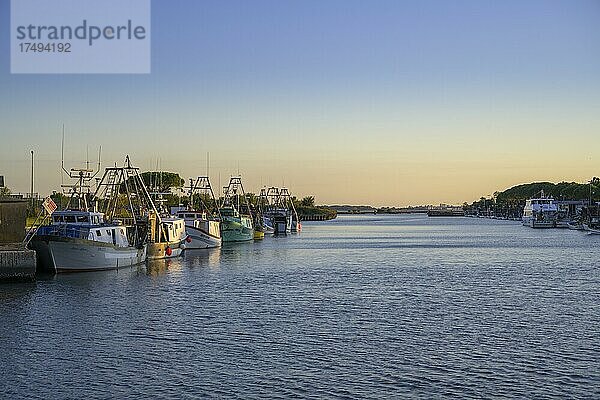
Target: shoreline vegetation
{"x": 172, "y": 188}
{"x": 508, "y": 203}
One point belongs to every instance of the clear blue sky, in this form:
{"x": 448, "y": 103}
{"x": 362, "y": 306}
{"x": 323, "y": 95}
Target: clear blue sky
{"x": 420, "y": 101}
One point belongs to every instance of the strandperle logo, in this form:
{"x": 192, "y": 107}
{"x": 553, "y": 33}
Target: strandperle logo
{"x": 80, "y": 36}
{"x": 85, "y": 31}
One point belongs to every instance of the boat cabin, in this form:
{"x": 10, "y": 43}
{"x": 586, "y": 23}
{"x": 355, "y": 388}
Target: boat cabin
{"x": 174, "y": 229}
{"x": 79, "y": 218}
{"x": 85, "y": 225}
{"x": 541, "y": 204}
{"x": 229, "y": 212}
{"x": 191, "y": 215}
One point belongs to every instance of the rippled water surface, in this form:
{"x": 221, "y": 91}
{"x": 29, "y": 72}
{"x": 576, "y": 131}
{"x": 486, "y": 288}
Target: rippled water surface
{"x": 360, "y": 307}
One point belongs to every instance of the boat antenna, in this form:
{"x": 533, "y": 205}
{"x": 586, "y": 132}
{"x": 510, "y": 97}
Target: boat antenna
{"x": 99, "y": 163}
{"x": 62, "y": 154}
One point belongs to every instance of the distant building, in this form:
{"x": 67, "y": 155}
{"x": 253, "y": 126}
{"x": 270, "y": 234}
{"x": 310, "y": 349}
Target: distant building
{"x": 1, "y": 181}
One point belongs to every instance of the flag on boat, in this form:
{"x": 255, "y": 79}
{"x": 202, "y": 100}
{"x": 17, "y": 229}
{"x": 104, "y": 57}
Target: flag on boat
{"x": 49, "y": 205}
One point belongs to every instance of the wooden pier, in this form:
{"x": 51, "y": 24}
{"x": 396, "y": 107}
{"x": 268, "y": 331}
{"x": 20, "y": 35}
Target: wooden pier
{"x": 314, "y": 217}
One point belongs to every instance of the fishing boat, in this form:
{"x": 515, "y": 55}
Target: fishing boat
{"x": 576, "y": 226}
{"x": 591, "y": 230}
{"x": 84, "y": 241}
{"x": 168, "y": 235}
{"x": 259, "y": 233}
{"x": 202, "y": 226}
{"x": 82, "y": 238}
{"x": 280, "y": 212}
{"x": 540, "y": 212}
{"x": 262, "y": 219}
{"x": 236, "y": 218}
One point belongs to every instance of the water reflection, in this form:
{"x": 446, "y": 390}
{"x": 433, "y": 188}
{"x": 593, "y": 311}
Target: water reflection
{"x": 16, "y": 293}
{"x": 164, "y": 266}
{"x": 203, "y": 258}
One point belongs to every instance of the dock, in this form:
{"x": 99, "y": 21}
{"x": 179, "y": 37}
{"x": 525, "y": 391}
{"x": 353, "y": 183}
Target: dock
{"x": 17, "y": 263}
{"x": 314, "y": 217}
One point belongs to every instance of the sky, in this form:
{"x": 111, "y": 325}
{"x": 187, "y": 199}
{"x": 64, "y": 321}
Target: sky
{"x": 387, "y": 103}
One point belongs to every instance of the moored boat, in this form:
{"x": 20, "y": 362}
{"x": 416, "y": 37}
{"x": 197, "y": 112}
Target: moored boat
{"x": 540, "y": 212}
{"x": 590, "y": 229}
{"x": 167, "y": 237}
{"x": 279, "y": 211}
{"x": 80, "y": 238}
{"x": 83, "y": 241}
{"x": 202, "y": 221}
{"x": 236, "y": 218}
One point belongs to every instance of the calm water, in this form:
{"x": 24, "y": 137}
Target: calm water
{"x": 359, "y": 307}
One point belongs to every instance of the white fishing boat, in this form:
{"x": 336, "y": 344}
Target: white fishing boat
{"x": 279, "y": 211}
{"x": 84, "y": 241}
{"x": 202, "y": 220}
{"x": 203, "y": 233}
{"x": 82, "y": 238}
{"x": 540, "y": 212}
{"x": 167, "y": 237}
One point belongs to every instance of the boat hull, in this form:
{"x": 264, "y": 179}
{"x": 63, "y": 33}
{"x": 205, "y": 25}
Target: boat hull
{"x": 562, "y": 224}
{"x": 234, "y": 231}
{"x": 533, "y": 223}
{"x": 200, "y": 239}
{"x": 157, "y": 251}
{"x": 59, "y": 255}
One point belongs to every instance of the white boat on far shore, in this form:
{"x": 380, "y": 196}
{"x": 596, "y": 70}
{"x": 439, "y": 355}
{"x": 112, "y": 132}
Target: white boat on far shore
{"x": 540, "y": 212}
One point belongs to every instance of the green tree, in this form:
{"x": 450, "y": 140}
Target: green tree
{"x": 308, "y": 201}
{"x": 4, "y": 191}
{"x": 158, "y": 181}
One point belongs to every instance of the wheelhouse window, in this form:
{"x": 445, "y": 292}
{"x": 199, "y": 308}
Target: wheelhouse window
{"x": 82, "y": 218}
{"x": 98, "y": 233}
{"x": 69, "y": 218}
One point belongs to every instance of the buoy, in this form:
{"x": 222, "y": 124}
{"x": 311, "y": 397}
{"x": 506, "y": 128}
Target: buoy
{"x": 168, "y": 251}
{"x": 188, "y": 239}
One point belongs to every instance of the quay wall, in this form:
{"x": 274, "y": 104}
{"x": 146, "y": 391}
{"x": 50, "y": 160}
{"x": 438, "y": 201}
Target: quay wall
{"x": 12, "y": 220}
{"x": 17, "y": 265}
{"x": 16, "y": 262}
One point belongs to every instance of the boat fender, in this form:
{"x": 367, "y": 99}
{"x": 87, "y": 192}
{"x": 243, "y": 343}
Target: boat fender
{"x": 168, "y": 251}
{"x": 188, "y": 239}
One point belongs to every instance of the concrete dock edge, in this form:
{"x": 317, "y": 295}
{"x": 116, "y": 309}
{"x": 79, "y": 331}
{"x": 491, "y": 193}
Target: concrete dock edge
{"x": 17, "y": 265}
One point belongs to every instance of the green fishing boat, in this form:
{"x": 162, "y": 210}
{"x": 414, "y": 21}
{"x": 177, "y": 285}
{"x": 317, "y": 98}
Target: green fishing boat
{"x": 236, "y": 218}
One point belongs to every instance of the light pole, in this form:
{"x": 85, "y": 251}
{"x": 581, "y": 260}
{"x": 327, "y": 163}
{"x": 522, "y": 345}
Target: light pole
{"x": 31, "y": 192}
